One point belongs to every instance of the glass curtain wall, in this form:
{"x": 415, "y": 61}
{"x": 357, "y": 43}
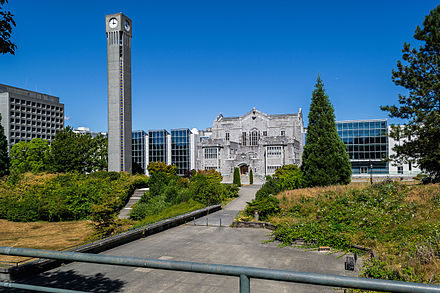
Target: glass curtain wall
{"x": 367, "y": 144}
{"x": 138, "y": 148}
{"x": 157, "y": 145}
{"x": 180, "y": 150}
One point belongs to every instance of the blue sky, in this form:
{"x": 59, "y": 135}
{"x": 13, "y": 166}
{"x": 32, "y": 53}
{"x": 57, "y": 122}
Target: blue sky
{"x": 192, "y": 60}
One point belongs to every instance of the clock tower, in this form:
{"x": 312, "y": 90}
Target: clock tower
{"x": 118, "y": 29}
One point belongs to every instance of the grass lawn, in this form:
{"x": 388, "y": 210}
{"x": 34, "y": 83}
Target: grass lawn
{"x": 42, "y": 235}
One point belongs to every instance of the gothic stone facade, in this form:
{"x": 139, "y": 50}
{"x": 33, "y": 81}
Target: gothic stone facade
{"x": 256, "y": 141}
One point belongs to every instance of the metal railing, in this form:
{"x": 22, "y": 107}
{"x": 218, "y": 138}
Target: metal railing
{"x": 244, "y": 273}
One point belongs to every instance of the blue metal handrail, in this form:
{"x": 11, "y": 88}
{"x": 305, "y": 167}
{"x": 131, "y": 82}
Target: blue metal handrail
{"x": 244, "y": 273}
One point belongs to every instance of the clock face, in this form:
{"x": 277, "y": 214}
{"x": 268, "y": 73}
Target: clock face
{"x": 127, "y": 25}
{"x": 113, "y": 22}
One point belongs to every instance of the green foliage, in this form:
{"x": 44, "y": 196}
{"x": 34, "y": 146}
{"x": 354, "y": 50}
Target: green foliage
{"x": 325, "y": 158}
{"x": 231, "y": 190}
{"x": 266, "y": 207}
{"x": 419, "y": 75}
{"x": 236, "y": 179}
{"x": 4, "y": 158}
{"x": 212, "y": 174}
{"x": 29, "y": 156}
{"x": 251, "y": 177}
{"x": 6, "y": 24}
{"x": 161, "y": 167}
{"x": 76, "y": 152}
{"x": 64, "y": 197}
{"x": 388, "y": 217}
{"x": 272, "y": 186}
{"x": 206, "y": 189}
{"x": 290, "y": 177}
{"x": 104, "y": 216}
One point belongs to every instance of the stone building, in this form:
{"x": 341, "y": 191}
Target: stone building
{"x": 256, "y": 141}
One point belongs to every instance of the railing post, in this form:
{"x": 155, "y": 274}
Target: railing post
{"x": 245, "y": 284}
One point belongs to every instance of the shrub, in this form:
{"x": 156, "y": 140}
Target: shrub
{"x": 206, "y": 190}
{"x": 272, "y": 186}
{"x": 290, "y": 177}
{"x": 266, "y": 207}
{"x": 251, "y": 177}
{"x": 231, "y": 190}
{"x": 236, "y": 180}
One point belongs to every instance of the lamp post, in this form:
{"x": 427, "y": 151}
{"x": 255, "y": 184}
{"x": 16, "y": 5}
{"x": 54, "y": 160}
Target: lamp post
{"x": 371, "y": 173}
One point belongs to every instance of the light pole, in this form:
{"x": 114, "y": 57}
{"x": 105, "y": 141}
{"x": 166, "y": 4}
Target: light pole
{"x": 371, "y": 173}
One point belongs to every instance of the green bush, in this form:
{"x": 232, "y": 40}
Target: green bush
{"x": 231, "y": 190}
{"x": 251, "y": 177}
{"x": 236, "y": 179}
{"x": 266, "y": 207}
{"x": 271, "y": 186}
{"x": 290, "y": 177}
{"x": 64, "y": 197}
{"x": 206, "y": 191}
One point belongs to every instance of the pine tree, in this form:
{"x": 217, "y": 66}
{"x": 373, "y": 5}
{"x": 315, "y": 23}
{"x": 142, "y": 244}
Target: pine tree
{"x": 325, "y": 158}
{"x": 4, "y": 158}
{"x": 251, "y": 177}
{"x": 420, "y": 75}
{"x": 237, "y": 180}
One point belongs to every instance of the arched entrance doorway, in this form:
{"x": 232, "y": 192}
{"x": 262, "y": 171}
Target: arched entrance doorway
{"x": 244, "y": 169}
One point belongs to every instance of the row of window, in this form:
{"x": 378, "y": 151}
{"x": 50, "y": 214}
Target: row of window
{"x": 365, "y": 140}
{"x": 33, "y": 117}
{"x": 210, "y": 153}
{"x": 362, "y": 125}
{"x": 29, "y": 136}
{"x": 272, "y": 169}
{"x": 17, "y": 102}
{"x": 33, "y": 110}
{"x": 274, "y": 151}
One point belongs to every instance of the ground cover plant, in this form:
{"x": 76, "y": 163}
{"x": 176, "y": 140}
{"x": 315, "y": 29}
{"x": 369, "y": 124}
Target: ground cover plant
{"x": 65, "y": 197}
{"x": 400, "y": 223}
{"x": 170, "y": 193}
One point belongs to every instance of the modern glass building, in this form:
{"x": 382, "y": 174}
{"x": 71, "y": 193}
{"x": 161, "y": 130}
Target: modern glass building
{"x": 367, "y": 145}
{"x": 180, "y": 150}
{"x": 157, "y": 145}
{"x": 139, "y": 148}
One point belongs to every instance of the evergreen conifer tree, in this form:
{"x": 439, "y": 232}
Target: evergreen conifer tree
{"x": 419, "y": 74}
{"x": 4, "y": 158}
{"x": 251, "y": 177}
{"x": 325, "y": 158}
{"x": 237, "y": 180}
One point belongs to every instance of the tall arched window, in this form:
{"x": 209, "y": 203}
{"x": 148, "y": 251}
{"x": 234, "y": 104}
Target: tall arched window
{"x": 255, "y": 136}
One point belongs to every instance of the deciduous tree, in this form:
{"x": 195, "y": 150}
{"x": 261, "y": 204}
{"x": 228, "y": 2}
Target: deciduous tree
{"x": 419, "y": 74}
{"x": 6, "y": 24}
{"x": 325, "y": 158}
{"x": 29, "y": 156}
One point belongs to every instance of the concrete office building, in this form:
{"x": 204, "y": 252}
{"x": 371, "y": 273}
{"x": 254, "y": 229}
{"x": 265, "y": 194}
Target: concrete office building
{"x": 118, "y": 29}
{"x": 256, "y": 141}
{"x": 400, "y": 169}
{"x": 28, "y": 114}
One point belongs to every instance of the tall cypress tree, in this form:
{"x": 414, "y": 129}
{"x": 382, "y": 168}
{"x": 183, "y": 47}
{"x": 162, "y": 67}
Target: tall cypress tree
{"x": 4, "y": 158}
{"x": 325, "y": 158}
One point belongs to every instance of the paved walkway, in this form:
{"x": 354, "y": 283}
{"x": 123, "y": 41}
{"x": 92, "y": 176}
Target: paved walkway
{"x": 137, "y": 194}
{"x": 231, "y": 210}
{"x": 221, "y": 245}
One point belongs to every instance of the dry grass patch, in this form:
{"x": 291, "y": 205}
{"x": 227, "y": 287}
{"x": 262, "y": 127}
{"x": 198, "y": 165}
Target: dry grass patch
{"x": 42, "y": 235}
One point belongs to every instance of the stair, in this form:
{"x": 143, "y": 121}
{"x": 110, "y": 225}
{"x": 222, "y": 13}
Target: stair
{"x": 136, "y": 196}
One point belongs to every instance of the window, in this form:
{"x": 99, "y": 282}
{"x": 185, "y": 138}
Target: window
{"x": 255, "y": 136}
{"x": 227, "y": 136}
{"x": 274, "y": 151}
{"x": 272, "y": 169}
{"x": 210, "y": 153}
{"x": 243, "y": 138}
{"x": 264, "y": 133}
{"x": 283, "y": 133}
{"x": 409, "y": 166}
{"x": 400, "y": 170}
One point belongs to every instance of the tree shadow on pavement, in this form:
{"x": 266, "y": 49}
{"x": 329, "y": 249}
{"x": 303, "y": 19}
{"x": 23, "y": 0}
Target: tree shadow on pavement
{"x": 71, "y": 280}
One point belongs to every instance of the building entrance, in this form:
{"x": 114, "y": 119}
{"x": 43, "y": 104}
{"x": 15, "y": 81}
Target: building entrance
{"x": 244, "y": 169}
